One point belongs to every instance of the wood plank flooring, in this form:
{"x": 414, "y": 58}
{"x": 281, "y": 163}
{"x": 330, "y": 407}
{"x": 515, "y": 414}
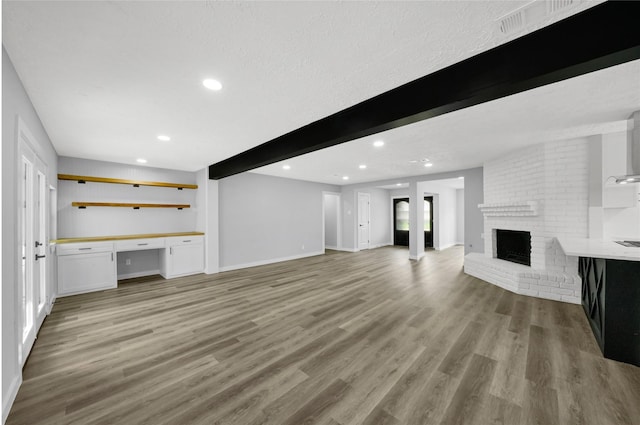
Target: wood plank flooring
{"x": 345, "y": 338}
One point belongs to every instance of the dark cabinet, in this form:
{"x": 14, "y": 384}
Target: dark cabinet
{"x": 611, "y": 301}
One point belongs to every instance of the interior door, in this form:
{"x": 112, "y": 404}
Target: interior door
{"x": 428, "y": 221}
{"x": 401, "y": 221}
{"x": 363, "y": 220}
{"x": 32, "y": 241}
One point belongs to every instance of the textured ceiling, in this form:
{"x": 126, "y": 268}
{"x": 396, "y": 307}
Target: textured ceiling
{"x": 107, "y": 77}
{"x": 594, "y": 103}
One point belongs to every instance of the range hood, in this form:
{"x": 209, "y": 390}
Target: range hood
{"x": 633, "y": 152}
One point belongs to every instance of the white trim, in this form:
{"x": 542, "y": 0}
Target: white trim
{"x": 138, "y": 274}
{"x": 338, "y": 219}
{"x": 270, "y": 261}
{"x": 347, "y": 249}
{"x": 334, "y": 248}
{"x": 50, "y": 304}
{"x": 380, "y": 245}
{"x": 10, "y": 396}
{"x": 442, "y": 248}
{"x": 416, "y": 258}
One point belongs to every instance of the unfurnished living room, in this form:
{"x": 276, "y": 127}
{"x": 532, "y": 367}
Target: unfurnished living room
{"x": 320, "y": 212}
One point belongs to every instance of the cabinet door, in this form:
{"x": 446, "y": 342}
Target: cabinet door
{"x": 86, "y": 272}
{"x": 186, "y": 259}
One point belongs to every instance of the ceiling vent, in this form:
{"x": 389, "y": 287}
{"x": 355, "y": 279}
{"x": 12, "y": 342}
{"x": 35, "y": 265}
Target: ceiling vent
{"x": 512, "y": 22}
{"x": 554, "y": 6}
{"x": 531, "y": 14}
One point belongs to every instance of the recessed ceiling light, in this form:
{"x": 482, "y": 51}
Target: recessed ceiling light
{"x": 345, "y": 177}
{"x": 623, "y": 182}
{"x": 362, "y": 166}
{"x": 141, "y": 160}
{"x": 378, "y": 143}
{"x": 413, "y": 161}
{"x": 212, "y": 84}
{"x": 460, "y": 178}
{"x": 286, "y": 167}
{"x": 164, "y": 138}
{"x": 398, "y": 184}
{"x": 428, "y": 164}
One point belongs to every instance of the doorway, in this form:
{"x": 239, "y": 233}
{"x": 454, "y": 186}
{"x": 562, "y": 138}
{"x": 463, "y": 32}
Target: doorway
{"x": 401, "y": 221}
{"x": 428, "y": 221}
{"x": 33, "y": 218}
{"x": 331, "y": 220}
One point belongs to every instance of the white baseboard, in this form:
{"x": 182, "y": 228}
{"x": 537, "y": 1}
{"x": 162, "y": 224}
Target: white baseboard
{"x": 334, "y": 248}
{"x": 10, "y": 396}
{"x": 52, "y": 301}
{"x": 442, "y": 248}
{"x": 416, "y": 258}
{"x": 138, "y": 274}
{"x": 270, "y": 261}
{"x": 344, "y": 249}
{"x": 380, "y": 245}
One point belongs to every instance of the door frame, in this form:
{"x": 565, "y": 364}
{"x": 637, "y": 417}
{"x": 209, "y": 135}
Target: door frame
{"x": 393, "y": 219}
{"x": 392, "y": 224}
{"x": 338, "y": 219}
{"x": 28, "y": 147}
{"x": 368, "y": 196}
{"x": 432, "y": 202}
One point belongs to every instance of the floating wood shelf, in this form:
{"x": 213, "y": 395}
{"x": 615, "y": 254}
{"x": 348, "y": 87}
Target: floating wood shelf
{"x": 128, "y": 205}
{"x": 135, "y": 183}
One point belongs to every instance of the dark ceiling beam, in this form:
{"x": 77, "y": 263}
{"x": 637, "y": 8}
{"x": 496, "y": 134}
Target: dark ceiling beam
{"x": 599, "y": 37}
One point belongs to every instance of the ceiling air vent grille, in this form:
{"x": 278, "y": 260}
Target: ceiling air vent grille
{"x": 512, "y": 22}
{"x": 554, "y": 6}
{"x": 531, "y": 14}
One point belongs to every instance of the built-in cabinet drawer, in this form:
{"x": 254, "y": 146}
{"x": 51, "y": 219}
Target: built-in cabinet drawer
{"x": 139, "y": 244}
{"x": 85, "y": 267}
{"x": 83, "y": 248}
{"x": 183, "y": 256}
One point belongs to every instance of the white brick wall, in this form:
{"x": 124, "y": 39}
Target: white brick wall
{"x": 553, "y": 174}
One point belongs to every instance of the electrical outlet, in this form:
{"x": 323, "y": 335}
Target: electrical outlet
{"x": 127, "y": 262}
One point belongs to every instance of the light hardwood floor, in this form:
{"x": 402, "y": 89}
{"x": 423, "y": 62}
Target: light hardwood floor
{"x": 344, "y": 338}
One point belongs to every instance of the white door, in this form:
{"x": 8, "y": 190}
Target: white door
{"x": 41, "y": 242}
{"x": 32, "y": 245}
{"x": 363, "y": 220}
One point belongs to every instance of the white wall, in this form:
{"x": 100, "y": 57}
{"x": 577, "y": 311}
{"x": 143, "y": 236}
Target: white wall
{"x": 16, "y": 103}
{"x": 266, "y": 219}
{"x": 105, "y": 221}
{"x": 331, "y": 211}
{"x": 460, "y": 216}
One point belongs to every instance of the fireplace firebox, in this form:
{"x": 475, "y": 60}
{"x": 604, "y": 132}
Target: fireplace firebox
{"x": 514, "y": 246}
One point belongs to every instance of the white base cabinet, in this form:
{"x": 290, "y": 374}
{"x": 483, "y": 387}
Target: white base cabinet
{"x": 183, "y": 256}
{"x": 92, "y": 266}
{"x": 86, "y": 268}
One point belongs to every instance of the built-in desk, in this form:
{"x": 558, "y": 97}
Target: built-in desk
{"x": 89, "y": 264}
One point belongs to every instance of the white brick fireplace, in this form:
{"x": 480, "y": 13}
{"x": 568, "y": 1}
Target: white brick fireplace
{"x": 543, "y": 190}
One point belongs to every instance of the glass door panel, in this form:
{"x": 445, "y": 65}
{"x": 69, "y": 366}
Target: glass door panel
{"x": 401, "y": 222}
